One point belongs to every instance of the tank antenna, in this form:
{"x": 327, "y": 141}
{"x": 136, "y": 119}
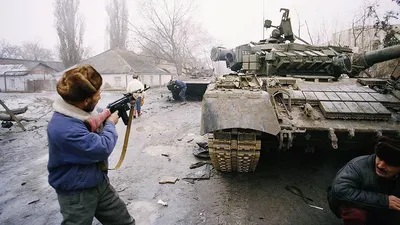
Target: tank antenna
{"x": 263, "y": 8}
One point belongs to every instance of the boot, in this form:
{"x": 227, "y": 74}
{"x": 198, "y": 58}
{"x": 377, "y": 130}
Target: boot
{"x": 139, "y": 113}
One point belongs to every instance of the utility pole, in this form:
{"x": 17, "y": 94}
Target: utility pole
{"x": 263, "y": 28}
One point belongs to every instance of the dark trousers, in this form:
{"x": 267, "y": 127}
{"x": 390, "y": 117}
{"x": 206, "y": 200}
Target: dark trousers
{"x": 101, "y": 202}
{"x": 182, "y": 93}
{"x": 354, "y": 216}
{"x": 138, "y": 104}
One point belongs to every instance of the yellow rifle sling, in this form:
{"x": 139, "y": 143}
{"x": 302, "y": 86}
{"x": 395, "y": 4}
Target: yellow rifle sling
{"x": 128, "y": 131}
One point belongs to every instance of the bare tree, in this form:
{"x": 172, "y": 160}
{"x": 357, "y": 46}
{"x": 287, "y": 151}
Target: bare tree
{"x": 308, "y": 31}
{"x": 299, "y": 25}
{"x": 361, "y": 28}
{"x": 30, "y": 50}
{"x": 320, "y": 34}
{"x": 391, "y": 36}
{"x": 383, "y": 24}
{"x": 170, "y": 34}
{"x": 70, "y": 28}
{"x": 358, "y": 27}
{"x": 33, "y": 50}
{"x": 117, "y": 24}
{"x": 9, "y": 51}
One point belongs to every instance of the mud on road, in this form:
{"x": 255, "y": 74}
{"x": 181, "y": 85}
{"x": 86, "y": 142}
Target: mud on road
{"x": 164, "y": 128}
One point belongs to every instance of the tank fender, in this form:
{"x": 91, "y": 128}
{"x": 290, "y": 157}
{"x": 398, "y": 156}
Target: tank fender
{"x": 237, "y": 108}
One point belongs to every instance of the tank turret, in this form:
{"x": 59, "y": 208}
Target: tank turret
{"x": 274, "y": 56}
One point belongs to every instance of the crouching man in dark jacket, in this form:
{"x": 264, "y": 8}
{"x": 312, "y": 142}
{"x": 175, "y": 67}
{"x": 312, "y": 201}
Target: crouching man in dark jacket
{"x": 77, "y": 156}
{"x": 367, "y": 189}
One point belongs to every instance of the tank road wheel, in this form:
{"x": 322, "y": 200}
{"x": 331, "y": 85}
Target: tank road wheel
{"x": 235, "y": 150}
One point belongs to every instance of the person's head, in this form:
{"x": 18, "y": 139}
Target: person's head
{"x": 387, "y": 162}
{"x": 171, "y": 82}
{"x": 135, "y": 76}
{"x": 80, "y": 87}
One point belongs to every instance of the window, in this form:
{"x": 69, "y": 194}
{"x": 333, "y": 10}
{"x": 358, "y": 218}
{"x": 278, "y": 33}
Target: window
{"x": 117, "y": 81}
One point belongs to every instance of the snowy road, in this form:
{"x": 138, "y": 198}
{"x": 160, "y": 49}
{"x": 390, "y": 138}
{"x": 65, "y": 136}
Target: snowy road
{"x": 165, "y": 128}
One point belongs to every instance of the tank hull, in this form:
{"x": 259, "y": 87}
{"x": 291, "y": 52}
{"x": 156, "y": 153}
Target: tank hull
{"x": 281, "y": 122}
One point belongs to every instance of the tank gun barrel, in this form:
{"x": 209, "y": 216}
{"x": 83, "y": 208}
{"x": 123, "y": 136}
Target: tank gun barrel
{"x": 367, "y": 59}
{"x": 381, "y": 55}
{"x": 227, "y": 55}
{"x": 221, "y": 54}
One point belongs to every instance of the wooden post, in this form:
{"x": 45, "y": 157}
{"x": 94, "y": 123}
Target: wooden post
{"x": 126, "y": 81}
{"x": 12, "y": 115}
{"x": 5, "y": 82}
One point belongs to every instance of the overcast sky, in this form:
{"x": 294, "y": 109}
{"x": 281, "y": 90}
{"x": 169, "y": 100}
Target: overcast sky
{"x": 231, "y": 22}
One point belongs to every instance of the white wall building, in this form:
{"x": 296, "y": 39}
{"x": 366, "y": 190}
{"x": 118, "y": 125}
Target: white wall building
{"x": 27, "y": 77}
{"x": 360, "y": 38}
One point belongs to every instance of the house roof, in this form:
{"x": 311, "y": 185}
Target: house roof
{"x": 116, "y": 61}
{"x": 13, "y": 69}
{"x": 168, "y": 67}
{"x": 58, "y": 66}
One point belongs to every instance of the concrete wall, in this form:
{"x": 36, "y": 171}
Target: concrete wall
{"x": 120, "y": 81}
{"x": 114, "y": 81}
{"x": 154, "y": 80}
{"x": 367, "y": 37}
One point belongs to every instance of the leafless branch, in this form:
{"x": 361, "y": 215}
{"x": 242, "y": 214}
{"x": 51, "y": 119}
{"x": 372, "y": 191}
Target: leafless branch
{"x": 70, "y": 28}
{"x": 117, "y": 24}
{"x": 169, "y": 34}
{"x": 308, "y": 31}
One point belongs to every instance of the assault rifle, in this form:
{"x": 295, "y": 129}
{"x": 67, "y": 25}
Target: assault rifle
{"x": 122, "y": 105}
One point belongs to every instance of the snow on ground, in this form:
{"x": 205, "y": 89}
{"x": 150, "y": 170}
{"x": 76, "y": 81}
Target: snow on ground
{"x": 164, "y": 128}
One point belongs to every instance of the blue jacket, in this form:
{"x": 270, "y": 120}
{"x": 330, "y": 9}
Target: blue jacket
{"x": 180, "y": 84}
{"x": 75, "y": 153}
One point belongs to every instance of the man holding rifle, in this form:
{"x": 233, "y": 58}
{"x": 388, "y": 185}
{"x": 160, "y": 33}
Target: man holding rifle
{"x": 136, "y": 84}
{"x": 76, "y": 155}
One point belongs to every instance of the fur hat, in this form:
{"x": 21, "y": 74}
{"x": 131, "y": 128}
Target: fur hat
{"x": 388, "y": 150}
{"x": 79, "y": 83}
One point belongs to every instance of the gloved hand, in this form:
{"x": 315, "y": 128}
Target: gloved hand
{"x": 114, "y": 117}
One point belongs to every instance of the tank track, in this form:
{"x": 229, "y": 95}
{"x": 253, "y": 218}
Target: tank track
{"x": 235, "y": 150}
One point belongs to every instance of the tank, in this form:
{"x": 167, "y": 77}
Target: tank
{"x": 286, "y": 96}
